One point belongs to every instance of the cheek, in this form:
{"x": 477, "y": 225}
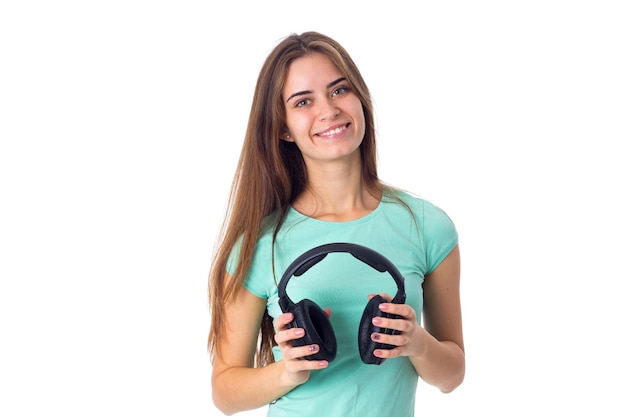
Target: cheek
{"x": 359, "y": 115}
{"x": 297, "y": 122}
{"x": 356, "y": 109}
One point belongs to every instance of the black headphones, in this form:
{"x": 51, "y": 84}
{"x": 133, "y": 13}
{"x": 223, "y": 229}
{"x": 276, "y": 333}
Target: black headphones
{"x": 316, "y": 324}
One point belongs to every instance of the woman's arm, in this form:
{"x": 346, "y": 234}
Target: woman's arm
{"x": 440, "y": 357}
{"x": 237, "y": 385}
{"x": 435, "y": 350}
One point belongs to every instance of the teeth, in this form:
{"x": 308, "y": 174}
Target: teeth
{"x": 332, "y": 132}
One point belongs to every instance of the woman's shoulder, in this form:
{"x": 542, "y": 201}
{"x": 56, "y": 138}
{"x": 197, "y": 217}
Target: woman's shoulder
{"x": 414, "y": 201}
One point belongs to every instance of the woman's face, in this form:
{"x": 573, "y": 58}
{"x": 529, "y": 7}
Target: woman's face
{"x": 324, "y": 116}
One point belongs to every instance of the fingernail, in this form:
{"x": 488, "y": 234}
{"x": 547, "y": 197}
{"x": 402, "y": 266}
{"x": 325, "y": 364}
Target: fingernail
{"x": 376, "y": 321}
{"x": 313, "y": 348}
{"x": 299, "y": 332}
{"x": 383, "y": 307}
{"x": 376, "y": 336}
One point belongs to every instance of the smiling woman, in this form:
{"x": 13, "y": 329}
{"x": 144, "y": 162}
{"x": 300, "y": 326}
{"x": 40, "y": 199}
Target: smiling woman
{"x": 307, "y": 177}
{"x": 322, "y": 106}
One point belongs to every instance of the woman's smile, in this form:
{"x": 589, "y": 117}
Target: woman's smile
{"x": 333, "y": 131}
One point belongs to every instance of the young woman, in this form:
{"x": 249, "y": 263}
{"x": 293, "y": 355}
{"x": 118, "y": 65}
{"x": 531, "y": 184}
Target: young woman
{"x": 307, "y": 177}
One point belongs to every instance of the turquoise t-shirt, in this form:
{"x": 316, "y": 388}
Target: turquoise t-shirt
{"x": 414, "y": 242}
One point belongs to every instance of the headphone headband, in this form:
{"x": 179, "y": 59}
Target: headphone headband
{"x": 311, "y": 257}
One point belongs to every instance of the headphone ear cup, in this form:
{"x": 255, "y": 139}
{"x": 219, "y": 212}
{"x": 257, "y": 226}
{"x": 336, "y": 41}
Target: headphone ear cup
{"x": 366, "y": 344}
{"x": 317, "y": 329}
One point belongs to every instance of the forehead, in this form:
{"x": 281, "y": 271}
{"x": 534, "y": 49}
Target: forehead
{"x": 310, "y": 72}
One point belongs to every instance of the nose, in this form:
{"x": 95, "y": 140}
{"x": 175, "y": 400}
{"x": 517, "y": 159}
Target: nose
{"x": 328, "y": 109}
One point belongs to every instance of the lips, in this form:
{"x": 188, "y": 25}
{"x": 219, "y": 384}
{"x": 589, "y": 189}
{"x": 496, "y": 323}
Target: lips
{"x": 333, "y": 131}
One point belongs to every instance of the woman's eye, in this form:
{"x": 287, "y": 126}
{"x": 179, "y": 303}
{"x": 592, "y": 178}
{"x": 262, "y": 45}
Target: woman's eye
{"x": 303, "y": 102}
{"x": 340, "y": 90}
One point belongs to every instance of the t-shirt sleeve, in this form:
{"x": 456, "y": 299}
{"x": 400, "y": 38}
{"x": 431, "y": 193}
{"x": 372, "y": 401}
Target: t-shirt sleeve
{"x": 440, "y": 235}
{"x": 233, "y": 258}
{"x": 253, "y": 281}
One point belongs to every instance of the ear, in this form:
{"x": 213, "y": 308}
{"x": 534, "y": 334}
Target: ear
{"x": 286, "y": 137}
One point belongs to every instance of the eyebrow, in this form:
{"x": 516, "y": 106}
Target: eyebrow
{"x": 329, "y": 85}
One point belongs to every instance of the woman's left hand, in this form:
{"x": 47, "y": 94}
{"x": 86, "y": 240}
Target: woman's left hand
{"x": 407, "y": 342}
{"x": 436, "y": 349}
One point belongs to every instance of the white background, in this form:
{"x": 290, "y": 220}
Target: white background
{"x": 120, "y": 127}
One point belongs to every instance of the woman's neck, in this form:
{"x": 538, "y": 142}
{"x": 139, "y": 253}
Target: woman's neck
{"x": 337, "y": 195}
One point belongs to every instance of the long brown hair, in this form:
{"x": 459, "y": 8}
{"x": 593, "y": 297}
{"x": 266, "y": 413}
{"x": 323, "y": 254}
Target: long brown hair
{"x": 271, "y": 173}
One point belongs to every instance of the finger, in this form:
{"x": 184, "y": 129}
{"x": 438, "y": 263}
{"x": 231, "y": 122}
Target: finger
{"x": 281, "y": 322}
{"x": 295, "y": 358}
{"x": 288, "y": 335}
{"x": 386, "y": 353}
{"x": 300, "y": 352}
{"x": 298, "y": 365}
{"x": 382, "y": 294}
{"x": 388, "y": 339}
{"x": 403, "y": 310}
{"x": 399, "y": 324}
{"x": 328, "y": 311}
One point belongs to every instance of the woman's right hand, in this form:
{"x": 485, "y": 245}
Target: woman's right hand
{"x": 297, "y": 369}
